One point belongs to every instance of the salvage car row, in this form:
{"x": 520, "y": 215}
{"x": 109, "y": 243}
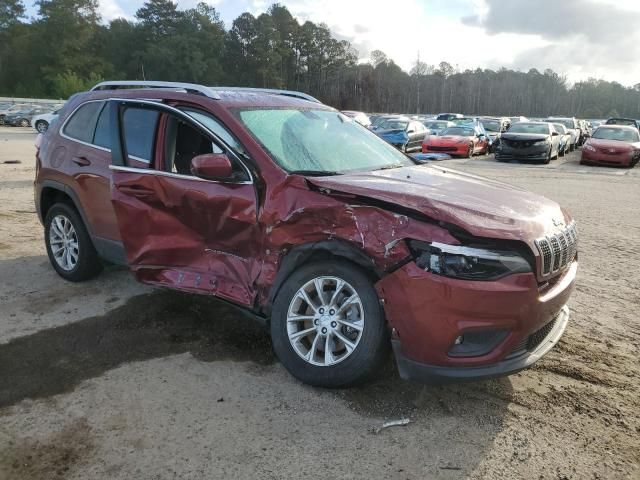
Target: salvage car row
{"x": 28, "y": 115}
{"x": 614, "y": 142}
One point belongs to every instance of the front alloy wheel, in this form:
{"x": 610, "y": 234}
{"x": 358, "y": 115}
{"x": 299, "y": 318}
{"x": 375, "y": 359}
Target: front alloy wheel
{"x": 327, "y": 325}
{"x": 325, "y": 321}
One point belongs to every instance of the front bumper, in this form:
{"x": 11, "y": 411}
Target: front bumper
{"x": 428, "y": 313}
{"x": 504, "y": 152}
{"x": 434, "y": 374}
{"x": 599, "y": 158}
{"x": 455, "y": 150}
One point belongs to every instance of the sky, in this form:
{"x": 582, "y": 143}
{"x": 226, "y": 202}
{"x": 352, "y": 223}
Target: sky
{"x": 576, "y": 38}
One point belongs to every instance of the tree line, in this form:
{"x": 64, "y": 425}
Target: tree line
{"x": 67, "y": 48}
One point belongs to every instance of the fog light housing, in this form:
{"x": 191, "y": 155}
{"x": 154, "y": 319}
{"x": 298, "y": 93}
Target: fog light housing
{"x": 477, "y": 344}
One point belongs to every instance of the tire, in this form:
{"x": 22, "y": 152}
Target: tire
{"x": 87, "y": 263}
{"x": 1, "y": 120}
{"x": 344, "y": 366}
{"x": 548, "y": 159}
{"x": 470, "y": 152}
{"x": 561, "y": 152}
{"x": 24, "y": 123}
{"x": 41, "y": 126}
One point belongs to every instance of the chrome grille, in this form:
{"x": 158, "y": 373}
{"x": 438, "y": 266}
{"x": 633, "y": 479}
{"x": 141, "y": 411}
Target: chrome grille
{"x": 557, "y": 251}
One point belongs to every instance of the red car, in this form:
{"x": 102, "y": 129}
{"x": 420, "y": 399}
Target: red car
{"x": 613, "y": 145}
{"x": 296, "y": 214}
{"x": 458, "y": 141}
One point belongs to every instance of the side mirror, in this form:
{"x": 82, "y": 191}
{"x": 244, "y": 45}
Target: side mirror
{"x": 411, "y": 130}
{"x": 555, "y": 134}
{"x": 212, "y": 166}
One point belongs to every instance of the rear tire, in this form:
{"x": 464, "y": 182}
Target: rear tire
{"x": 69, "y": 246}
{"x": 24, "y": 122}
{"x": 305, "y": 356}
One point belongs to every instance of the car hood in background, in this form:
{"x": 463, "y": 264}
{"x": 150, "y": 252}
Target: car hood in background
{"x": 613, "y": 145}
{"x": 524, "y": 137}
{"x": 447, "y": 140}
{"x": 482, "y": 207}
{"x": 393, "y": 136}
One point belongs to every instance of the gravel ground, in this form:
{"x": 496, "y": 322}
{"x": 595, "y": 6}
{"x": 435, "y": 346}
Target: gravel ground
{"x": 111, "y": 379}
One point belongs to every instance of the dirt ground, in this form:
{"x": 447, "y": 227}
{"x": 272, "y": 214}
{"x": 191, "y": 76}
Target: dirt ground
{"x": 114, "y": 380}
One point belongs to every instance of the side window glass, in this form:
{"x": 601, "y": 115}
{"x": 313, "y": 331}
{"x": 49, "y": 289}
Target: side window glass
{"x": 216, "y": 127}
{"x": 140, "y": 126}
{"x": 82, "y": 123}
{"x": 184, "y": 142}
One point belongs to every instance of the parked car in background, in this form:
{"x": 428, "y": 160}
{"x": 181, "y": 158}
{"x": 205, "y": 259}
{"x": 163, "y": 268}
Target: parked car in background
{"x": 435, "y": 127}
{"x": 360, "y": 117}
{"x": 518, "y": 119}
{"x": 14, "y": 108}
{"x": 623, "y": 121}
{"x": 402, "y": 133}
{"x": 494, "y": 126}
{"x": 529, "y": 141}
{"x": 613, "y": 145}
{"x": 458, "y": 141}
{"x": 248, "y": 195}
{"x": 449, "y": 116}
{"x": 379, "y": 120}
{"x": 23, "y": 118}
{"x": 41, "y": 122}
{"x": 565, "y": 139}
{"x": 571, "y": 124}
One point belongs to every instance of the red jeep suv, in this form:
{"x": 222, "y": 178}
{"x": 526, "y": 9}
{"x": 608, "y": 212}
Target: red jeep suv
{"x": 288, "y": 209}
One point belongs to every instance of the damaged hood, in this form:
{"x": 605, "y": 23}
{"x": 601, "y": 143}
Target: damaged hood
{"x": 482, "y": 207}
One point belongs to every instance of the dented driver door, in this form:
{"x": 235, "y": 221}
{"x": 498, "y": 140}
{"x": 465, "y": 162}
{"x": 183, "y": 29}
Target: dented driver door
{"x": 179, "y": 230}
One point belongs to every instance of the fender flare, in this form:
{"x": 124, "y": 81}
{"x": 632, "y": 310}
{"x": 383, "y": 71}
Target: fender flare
{"x": 67, "y": 190}
{"x": 300, "y": 254}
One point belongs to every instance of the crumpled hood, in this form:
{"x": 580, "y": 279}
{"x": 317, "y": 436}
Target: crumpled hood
{"x": 613, "y": 144}
{"x": 393, "y": 136}
{"x": 482, "y": 207}
{"x": 448, "y": 140}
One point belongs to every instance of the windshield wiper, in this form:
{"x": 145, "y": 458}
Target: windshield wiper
{"x": 389, "y": 167}
{"x": 315, "y": 173}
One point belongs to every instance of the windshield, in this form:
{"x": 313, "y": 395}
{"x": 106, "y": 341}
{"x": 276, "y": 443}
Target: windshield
{"x": 560, "y": 128}
{"x": 621, "y": 121}
{"x": 534, "y": 128}
{"x": 435, "y": 125}
{"x": 319, "y": 141}
{"x": 462, "y": 132}
{"x": 618, "y": 134}
{"x": 567, "y": 123}
{"x": 394, "y": 125}
{"x": 492, "y": 125}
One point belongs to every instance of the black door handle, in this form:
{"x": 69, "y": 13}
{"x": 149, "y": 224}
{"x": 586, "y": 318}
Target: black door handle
{"x": 82, "y": 161}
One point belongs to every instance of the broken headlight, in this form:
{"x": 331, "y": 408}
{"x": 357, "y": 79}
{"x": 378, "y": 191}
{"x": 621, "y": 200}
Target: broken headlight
{"x": 468, "y": 263}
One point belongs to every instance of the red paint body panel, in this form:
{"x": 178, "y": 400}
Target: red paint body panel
{"x": 194, "y": 235}
{"x": 429, "y": 311}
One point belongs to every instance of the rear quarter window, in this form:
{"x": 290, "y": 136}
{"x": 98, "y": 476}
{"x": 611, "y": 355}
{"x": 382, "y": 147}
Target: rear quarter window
{"x": 82, "y": 123}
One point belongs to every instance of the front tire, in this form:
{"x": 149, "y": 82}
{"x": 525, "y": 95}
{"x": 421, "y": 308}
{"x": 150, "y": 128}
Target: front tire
{"x": 42, "y": 126}
{"x": 69, "y": 246}
{"x": 327, "y": 325}
{"x": 470, "y": 152}
{"x": 24, "y": 122}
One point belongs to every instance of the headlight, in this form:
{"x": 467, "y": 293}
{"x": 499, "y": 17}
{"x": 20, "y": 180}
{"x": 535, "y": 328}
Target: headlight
{"x": 589, "y": 148}
{"x": 540, "y": 142}
{"x": 466, "y": 262}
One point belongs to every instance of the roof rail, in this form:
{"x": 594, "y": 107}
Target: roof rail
{"x": 273, "y": 91}
{"x": 188, "y": 87}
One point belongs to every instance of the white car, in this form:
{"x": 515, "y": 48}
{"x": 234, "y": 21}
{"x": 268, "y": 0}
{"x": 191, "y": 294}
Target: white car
{"x": 41, "y": 122}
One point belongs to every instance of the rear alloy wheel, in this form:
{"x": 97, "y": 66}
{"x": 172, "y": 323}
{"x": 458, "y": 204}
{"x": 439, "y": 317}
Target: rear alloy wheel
{"x": 24, "y": 122}
{"x": 327, "y": 326}
{"x": 42, "y": 126}
{"x": 69, "y": 246}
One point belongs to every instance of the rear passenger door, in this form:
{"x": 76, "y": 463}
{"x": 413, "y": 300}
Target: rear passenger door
{"x": 84, "y": 157}
{"x": 180, "y": 230}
